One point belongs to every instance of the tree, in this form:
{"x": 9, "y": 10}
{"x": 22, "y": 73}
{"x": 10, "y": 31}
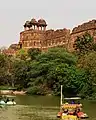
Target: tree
{"x": 88, "y": 63}
{"x": 33, "y": 52}
{"x": 84, "y": 44}
{"x": 20, "y": 69}
{"x": 53, "y": 68}
{"x": 3, "y": 69}
{"x": 6, "y": 70}
{"x": 22, "y": 54}
{"x": 86, "y": 49}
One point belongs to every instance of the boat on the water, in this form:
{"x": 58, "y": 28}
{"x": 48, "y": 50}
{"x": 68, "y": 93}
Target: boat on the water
{"x": 71, "y": 110}
{"x": 5, "y": 100}
{"x": 7, "y": 103}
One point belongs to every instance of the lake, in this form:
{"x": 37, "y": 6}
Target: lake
{"x": 40, "y": 108}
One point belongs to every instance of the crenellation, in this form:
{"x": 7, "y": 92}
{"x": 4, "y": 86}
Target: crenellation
{"x": 84, "y": 27}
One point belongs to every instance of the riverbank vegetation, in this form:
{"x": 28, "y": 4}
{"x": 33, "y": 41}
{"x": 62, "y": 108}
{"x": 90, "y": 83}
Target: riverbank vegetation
{"x": 42, "y": 73}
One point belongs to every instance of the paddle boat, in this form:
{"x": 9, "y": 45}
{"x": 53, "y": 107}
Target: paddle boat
{"x": 5, "y": 100}
{"x": 7, "y": 103}
{"x": 71, "y": 111}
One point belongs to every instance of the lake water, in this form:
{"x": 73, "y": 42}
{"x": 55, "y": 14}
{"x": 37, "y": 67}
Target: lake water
{"x": 40, "y": 108}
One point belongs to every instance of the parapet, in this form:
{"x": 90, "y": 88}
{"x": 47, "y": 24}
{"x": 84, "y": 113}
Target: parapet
{"x": 51, "y": 34}
{"x": 84, "y": 27}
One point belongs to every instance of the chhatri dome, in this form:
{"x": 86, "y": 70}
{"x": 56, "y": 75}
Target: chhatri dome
{"x": 27, "y": 24}
{"x": 33, "y": 21}
{"x": 36, "y": 25}
{"x": 42, "y": 22}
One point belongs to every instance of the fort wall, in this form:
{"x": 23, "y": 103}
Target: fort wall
{"x": 89, "y": 27}
{"x": 31, "y": 39}
{"x": 57, "y": 38}
{"x": 44, "y": 39}
{"x": 35, "y": 35}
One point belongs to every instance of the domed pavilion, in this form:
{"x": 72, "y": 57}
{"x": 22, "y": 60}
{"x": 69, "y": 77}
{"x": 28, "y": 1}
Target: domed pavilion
{"x": 33, "y": 24}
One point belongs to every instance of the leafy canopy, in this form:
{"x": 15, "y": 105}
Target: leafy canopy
{"x": 84, "y": 44}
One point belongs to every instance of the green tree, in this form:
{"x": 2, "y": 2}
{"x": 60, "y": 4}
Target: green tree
{"x": 20, "y": 69}
{"x": 3, "y": 69}
{"x": 22, "y": 54}
{"x": 53, "y": 68}
{"x": 33, "y": 52}
{"x": 6, "y": 70}
{"x": 84, "y": 44}
{"x": 88, "y": 63}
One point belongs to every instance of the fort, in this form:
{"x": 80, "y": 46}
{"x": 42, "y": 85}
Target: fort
{"x": 89, "y": 27}
{"x": 35, "y": 35}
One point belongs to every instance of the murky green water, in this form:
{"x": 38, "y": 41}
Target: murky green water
{"x": 40, "y": 108}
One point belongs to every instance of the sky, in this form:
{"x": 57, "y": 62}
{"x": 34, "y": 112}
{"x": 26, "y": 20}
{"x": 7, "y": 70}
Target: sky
{"x": 58, "y": 14}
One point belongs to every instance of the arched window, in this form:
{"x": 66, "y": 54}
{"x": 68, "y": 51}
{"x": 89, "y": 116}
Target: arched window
{"x": 20, "y": 46}
{"x": 34, "y": 43}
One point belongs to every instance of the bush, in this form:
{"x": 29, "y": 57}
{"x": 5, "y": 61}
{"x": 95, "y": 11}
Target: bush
{"x": 36, "y": 90}
{"x": 32, "y": 90}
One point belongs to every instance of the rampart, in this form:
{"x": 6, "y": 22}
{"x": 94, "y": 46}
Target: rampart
{"x": 35, "y": 35}
{"x": 59, "y": 37}
{"x": 44, "y": 39}
{"x": 89, "y": 27}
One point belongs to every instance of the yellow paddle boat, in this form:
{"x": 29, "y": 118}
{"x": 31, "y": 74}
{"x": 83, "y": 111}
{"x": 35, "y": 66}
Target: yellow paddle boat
{"x": 71, "y": 111}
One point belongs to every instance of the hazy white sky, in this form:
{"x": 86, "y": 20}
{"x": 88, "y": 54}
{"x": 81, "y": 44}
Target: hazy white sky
{"x": 57, "y": 13}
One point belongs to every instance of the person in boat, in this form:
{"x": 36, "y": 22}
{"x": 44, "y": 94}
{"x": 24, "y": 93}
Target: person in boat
{"x": 65, "y": 112}
{"x": 66, "y": 102}
{"x": 79, "y": 113}
{"x": 12, "y": 100}
{"x": 75, "y": 113}
{"x": 78, "y": 102}
{"x": 14, "y": 103}
{"x": 73, "y": 102}
{"x": 7, "y": 100}
{"x": 1, "y": 98}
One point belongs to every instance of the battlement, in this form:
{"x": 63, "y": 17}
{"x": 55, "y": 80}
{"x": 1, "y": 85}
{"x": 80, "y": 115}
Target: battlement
{"x": 51, "y": 34}
{"x": 84, "y": 27}
{"x": 34, "y": 38}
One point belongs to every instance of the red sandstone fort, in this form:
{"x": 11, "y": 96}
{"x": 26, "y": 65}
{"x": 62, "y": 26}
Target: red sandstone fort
{"x": 35, "y": 35}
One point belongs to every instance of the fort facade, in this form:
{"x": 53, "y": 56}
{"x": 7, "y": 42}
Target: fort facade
{"x": 35, "y": 35}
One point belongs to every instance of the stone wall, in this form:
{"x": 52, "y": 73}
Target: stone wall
{"x": 31, "y": 39}
{"x": 89, "y": 27}
{"x": 44, "y": 39}
{"x": 57, "y": 38}
{"x": 51, "y": 38}
{"x": 84, "y": 27}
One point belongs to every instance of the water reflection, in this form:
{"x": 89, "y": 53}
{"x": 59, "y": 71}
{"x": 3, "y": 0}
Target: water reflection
{"x": 21, "y": 112}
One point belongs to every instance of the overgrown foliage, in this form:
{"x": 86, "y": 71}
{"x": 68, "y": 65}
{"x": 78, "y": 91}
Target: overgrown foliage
{"x": 84, "y": 44}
